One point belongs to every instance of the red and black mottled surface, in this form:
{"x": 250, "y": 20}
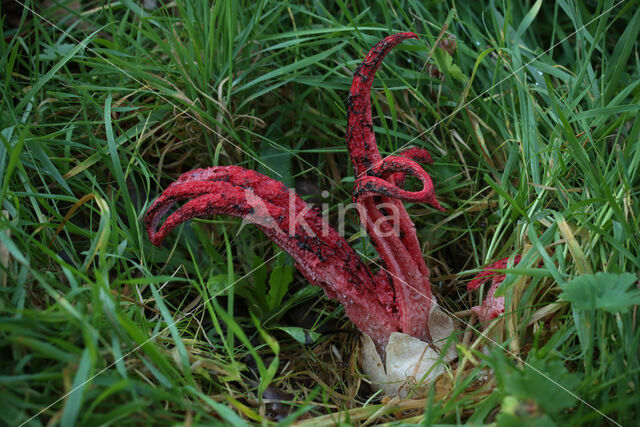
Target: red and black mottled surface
{"x": 398, "y": 298}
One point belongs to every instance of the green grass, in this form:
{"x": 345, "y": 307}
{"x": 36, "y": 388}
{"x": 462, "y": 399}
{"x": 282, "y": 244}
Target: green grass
{"x": 533, "y": 126}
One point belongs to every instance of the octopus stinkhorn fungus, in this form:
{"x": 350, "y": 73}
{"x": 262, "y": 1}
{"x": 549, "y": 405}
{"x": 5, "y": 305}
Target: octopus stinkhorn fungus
{"x": 492, "y": 306}
{"x": 396, "y": 299}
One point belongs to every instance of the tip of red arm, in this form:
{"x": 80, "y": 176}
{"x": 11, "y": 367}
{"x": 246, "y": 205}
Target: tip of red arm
{"x": 408, "y": 35}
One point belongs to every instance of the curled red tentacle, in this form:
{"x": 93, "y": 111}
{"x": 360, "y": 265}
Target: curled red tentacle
{"x": 410, "y": 283}
{"x": 489, "y": 272}
{"x": 407, "y": 231}
{"x": 492, "y": 306}
{"x": 361, "y": 141}
{"x": 321, "y": 254}
{"x": 367, "y": 186}
{"x": 385, "y": 218}
{"x": 416, "y": 154}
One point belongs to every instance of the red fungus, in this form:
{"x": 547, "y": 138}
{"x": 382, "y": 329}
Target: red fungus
{"x": 321, "y": 254}
{"x": 399, "y": 249}
{"x": 492, "y": 306}
{"x": 398, "y": 298}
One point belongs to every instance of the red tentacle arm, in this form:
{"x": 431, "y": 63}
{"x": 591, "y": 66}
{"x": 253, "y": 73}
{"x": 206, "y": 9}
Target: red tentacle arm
{"x": 321, "y": 254}
{"x": 361, "y": 141}
{"x": 378, "y": 193}
{"x": 416, "y": 154}
{"x": 410, "y": 283}
{"x": 492, "y": 306}
{"x": 375, "y": 185}
{"x": 407, "y": 231}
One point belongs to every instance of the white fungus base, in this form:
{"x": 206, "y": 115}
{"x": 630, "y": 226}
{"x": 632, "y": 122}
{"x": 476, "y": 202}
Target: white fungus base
{"x": 410, "y": 364}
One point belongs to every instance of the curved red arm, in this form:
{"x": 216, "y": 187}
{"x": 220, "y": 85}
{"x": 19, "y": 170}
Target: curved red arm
{"x": 321, "y": 254}
{"x": 492, "y": 306}
{"x": 399, "y": 297}
{"x": 379, "y": 194}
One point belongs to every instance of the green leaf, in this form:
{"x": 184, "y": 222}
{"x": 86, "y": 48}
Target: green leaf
{"x": 453, "y": 69}
{"x": 528, "y": 19}
{"x": 278, "y": 163}
{"x": 605, "y": 291}
{"x": 281, "y": 277}
{"x": 38, "y": 152}
{"x": 223, "y": 411}
{"x": 516, "y": 413}
{"x": 136, "y": 9}
{"x": 75, "y": 396}
{"x": 303, "y": 336}
{"x": 544, "y": 380}
{"x": 175, "y": 334}
{"x": 56, "y": 51}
